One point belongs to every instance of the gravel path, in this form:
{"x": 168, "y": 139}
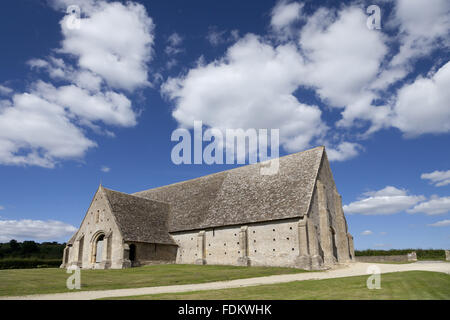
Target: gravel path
{"x": 353, "y": 269}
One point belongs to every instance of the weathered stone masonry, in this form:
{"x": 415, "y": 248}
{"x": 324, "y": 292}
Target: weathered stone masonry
{"x": 235, "y": 217}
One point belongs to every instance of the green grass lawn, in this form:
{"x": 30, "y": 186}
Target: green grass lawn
{"x": 36, "y": 281}
{"x": 409, "y": 285}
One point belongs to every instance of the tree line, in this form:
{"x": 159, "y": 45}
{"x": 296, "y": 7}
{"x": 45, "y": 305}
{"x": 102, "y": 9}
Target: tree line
{"x": 422, "y": 254}
{"x": 31, "y": 249}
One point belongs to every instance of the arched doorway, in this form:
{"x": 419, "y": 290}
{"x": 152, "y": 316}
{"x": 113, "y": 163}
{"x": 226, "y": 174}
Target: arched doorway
{"x": 132, "y": 253}
{"x": 98, "y": 250}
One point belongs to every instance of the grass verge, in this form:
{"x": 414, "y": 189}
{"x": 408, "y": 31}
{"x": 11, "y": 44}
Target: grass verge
{"x": 408, "y": 285}
{"x": 52, "y": 280}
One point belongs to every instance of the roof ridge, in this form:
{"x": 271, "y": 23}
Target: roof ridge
{"x": 225, "y": 171}
{"x": 133, "y": 195}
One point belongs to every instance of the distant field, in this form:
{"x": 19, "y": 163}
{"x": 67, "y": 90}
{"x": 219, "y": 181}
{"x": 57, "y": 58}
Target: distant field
{"x": 52, "y": 280}
{"x": 410, "y": 285}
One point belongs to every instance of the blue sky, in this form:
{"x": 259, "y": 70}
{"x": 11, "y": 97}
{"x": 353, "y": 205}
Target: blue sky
{"x": 99, "y": 103}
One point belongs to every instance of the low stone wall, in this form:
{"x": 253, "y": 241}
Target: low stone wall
{"x": 398, "y": 258}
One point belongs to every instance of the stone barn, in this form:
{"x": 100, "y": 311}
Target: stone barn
{"x": 237, "y": 217}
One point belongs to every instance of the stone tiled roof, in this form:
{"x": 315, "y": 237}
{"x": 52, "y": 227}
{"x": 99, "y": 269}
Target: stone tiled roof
{"x": 241, "y": 195}
{"x": 140, "y": 219}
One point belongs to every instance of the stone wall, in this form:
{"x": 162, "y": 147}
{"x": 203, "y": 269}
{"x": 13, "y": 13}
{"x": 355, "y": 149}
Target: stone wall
{"x": 153, "y": 253}
{"x": 273, "y": 243}
{"x": 98, "y": 221}
{"x": 398, "y": 258}
{"x": 394, "y": 258}
{"x": 335, "y": 243}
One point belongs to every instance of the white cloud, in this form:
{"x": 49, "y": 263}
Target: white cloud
{"x": 2, "y": 208}
{"x": 114, "y": 41}
{"x": 422, "y": 106}
{"x": 105, "y": 169}
{"x": 438, "y": 178}
{"x": 337, "y": 43}
{"x": 284, "y": 13}
{"x": 34, "y": 230}
{"x": 329, "y": 45}
{"x": 174, "y": 41}
{"x": 109, "y": 107}
{"x": 422, "y": 24}
{"x": 388, "y": 191}
{"x": 55, "y": 67}
{"x": 171, "y": 63}
{"x": 442, "y": 223}
{"x": 87, "y": 80}
{"x": 107, "y": 54}
{"x": 86, "y": 6}
{"x": 436, "y": 205}
{"x": 250, "y": 87}
{"x": 216, "y": 37}
{"x": 344, "y": 151}
{"x": 389, "y": 200}
{"x": 34, "y": 131}
{"x": 38, "y": 63}
{"x": 5, "y": 90}
{"x": 341, "y": 44}
{"x": 172, "y": 49}
{"x": 334, "y": 54}
{"x": 366, "y": 233}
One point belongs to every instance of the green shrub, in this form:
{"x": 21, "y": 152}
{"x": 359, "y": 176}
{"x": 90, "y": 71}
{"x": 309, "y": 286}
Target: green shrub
{"x": 29, "y": 263}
